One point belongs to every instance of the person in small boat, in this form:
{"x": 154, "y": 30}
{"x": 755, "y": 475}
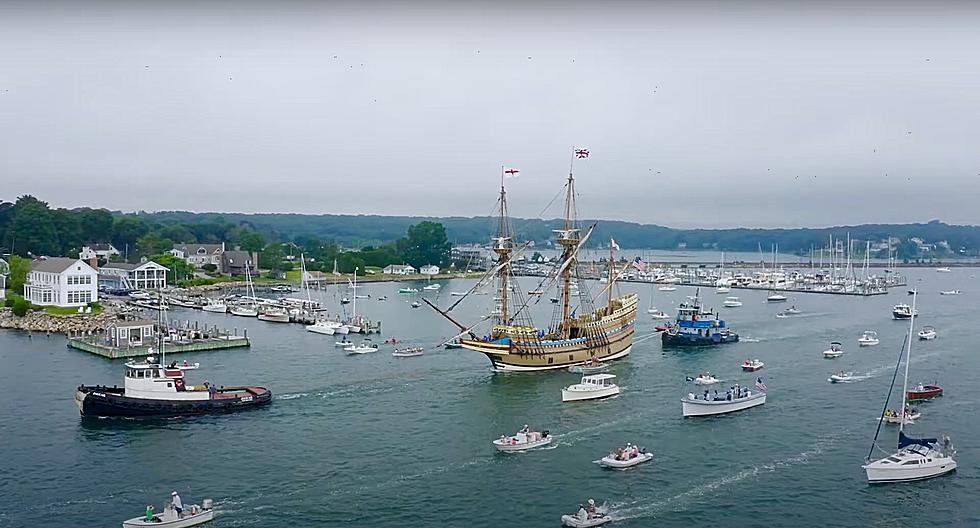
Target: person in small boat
{"x": 150, "y": 512}
{"x": 525, "y": 429}
{"x": 591, "y": 509}
{"x": 582, "y": 514}
{"x": 178, "y": 504}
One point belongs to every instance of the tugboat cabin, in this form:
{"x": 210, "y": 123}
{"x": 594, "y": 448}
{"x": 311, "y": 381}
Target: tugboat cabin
{"x": 147, "y": 379}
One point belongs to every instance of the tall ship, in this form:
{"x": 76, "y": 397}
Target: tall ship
{"x": 696, "y": 326}
{"x": 580, "y": 330}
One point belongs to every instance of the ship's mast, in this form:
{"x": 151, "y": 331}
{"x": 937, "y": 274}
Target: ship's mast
{"x": 502, "y": 247}
{"x": 609, "y": 285}
{"x": 568, "y": 239}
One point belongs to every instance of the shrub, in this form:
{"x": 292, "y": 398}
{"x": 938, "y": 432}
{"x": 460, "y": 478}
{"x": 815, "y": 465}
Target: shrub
{"x": 21, "y": 306}
{"x": 210, "y": 268}
{"x": 9, "y": 302}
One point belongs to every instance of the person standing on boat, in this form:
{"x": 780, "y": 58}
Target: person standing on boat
{"x": 591, "y": 510}
{"x": 150, "y": 511}
{"x": 178, "y": 504}
{"x": 212, "y": 391}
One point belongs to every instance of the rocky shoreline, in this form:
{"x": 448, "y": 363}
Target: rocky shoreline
{"x": 57, "y": 324}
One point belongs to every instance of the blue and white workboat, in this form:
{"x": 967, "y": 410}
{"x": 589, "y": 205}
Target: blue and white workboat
{"x": 696, "y": 326}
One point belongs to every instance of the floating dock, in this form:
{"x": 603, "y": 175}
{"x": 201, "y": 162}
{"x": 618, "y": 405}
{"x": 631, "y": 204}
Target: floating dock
{"x": 178, "y": 340}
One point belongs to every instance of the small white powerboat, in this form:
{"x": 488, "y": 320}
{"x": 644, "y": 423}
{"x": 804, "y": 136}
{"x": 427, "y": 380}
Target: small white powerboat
{"x": 522, "y": 441}
{"x": 584, "y": 519}
{"x": 842, "y": 377}
{"x": 626, "y": 457}
{"x": 408, "y": 352}
{"x": 215, "y": 306}
{"x": 752, "y": 365}
{"x": 911, "y": 415}
{"x": 776, "y": 297}
{"x": 731, "y": 302}
{"x": 360, "y": 349}
{"x": 193, "y": 515}
{"x": 432, "y": 287}
{"x": 868, "y": 338}
{"x": 950, "y": 292}
{"x": 592, "y": 387}
{"x": 659, "y": 314}
{"x": 592, "y": 366}
{"x": 722, "y": 290}
{"x": 667, "y": 288}
{"x": 704, "y": 378}
{"x": 708, "y": 404}
{"x": 927, "y": 333}
{"x": 416, "y": 304}
{"x": 836, "y": 350}
{"x": 789, "y": 312}
{"x": 343, "y": 343}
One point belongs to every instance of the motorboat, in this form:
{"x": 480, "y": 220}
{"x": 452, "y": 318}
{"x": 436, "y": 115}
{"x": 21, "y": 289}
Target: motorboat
{"x": 416, "y": 304}
{"x": 868, "y": 338}
{"x": 408, "y": 290}
{"x": 591, "y": 366}
{"x": 626, "y": 457}
{"x": 360, "y": 349}
{"x": 536, "y": 292}
{"x": 153, "y": 389}
{"x": 522, "y": 441}
{"x": 752, "y": 365}
{"x": 659, "y": 315}
{"x": 215, "y": 306}
{"x": 140, "y": 295}
{"x": 722, "y": 290}
{"x": 343, "y": 343}
{"x": 584, "y": 518}
{"x": 927, "y": 333}
{"x": 902, "y": 311}
{"x": 836, "y": 350}
{"x": 457, "y": 294}
{"x": 775, "y": 297}
{"x": 924, "y": 392}
{"x": 274, "y": 315}
{"x": 789, "y": 312}
{"x": 432, "y": 287}
{"x": 704, "y": 378}
{"x": 911, "y": 415}
{"x": 944, "y": 269}
{"x": 408, "y": 352}
{"x": 950, "y": 292}
{"x": 244, "y": 311}
{"x": 192, "y": 515}
{"x": 345, "y": 300}
{"x": 322, "y": 326}
{"x": 454, "y": 343}
{"x": 667, "y": 288}
{"x": 916, "y": 458}
{"x": 592, "y": 387}
{"x": 282, "y": 288}
{"x": 842, "y": 377}
{"x": 737, "y": 399}
{"x": 731, "y": 302}
{"x": 696, "y": 326}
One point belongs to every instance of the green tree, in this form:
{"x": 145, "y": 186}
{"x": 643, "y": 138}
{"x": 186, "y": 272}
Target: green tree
{"x": 272, "y": 257}
{"x": 96, "y": 225}
{"x": 152, "y": 243}
{"x": 19, "y": 268}
{"x": 251, "y": 241}
{"x": 426, "y": 243}
{"x": 179, "y": 268}
{"x": 126, "y": 230}
{"x": 21, "y": 306}
{"x": 33, "y": 228}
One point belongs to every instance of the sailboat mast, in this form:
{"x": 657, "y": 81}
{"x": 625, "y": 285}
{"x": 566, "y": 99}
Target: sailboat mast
{"x": 568, "y": 242}
{"x": 610, "y": 285}
{"x": 353, "y": 305}
{"x": 908, "y": 358}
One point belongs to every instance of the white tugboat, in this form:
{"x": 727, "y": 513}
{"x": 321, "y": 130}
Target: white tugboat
{"x": 592, "y": 387}
{"x": 192, "y": 515}
{"x": 522, "y": 441}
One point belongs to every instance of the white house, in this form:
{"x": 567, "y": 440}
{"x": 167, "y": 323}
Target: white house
{"x": 429, "y": 269}
{"x": 59, "y": 281}
{"x": 4, "y": 270}
{"x": 199, "y": 255}
{"x": 146, "y": 276}
{"x": 98, "y": 250}
{"x": 399, "y": 269}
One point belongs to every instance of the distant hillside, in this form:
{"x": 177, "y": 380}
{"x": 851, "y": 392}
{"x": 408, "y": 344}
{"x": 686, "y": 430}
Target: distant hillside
{"x": 358, "y": 230}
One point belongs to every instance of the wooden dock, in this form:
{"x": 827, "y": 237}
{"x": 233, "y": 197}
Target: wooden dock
{"x": 183, "y": 340}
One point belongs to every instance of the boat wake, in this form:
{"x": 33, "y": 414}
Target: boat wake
{"x": 570, "y": 438}
{"x": 751, "y": 339}
{"x": 401, "y": 479}
{"x": 639, "y": 508}
{"x": 645, "y": 337}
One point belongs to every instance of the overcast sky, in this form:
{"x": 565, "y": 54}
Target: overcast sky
{"x": 696, "y": 113}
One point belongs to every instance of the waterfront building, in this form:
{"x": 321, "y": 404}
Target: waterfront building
{"x": 59, "y": 281}
{"x": 429, "y": 269}
{"x": 98, "y": 251}
{"x": 144, "y": 276}
{"x": 399, "y": 269}
{"x": 199, "y": 255}
{"x": 235, "y": 262}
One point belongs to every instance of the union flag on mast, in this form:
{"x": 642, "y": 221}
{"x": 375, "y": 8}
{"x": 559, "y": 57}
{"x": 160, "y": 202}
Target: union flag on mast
{"x": 581, "y": 153}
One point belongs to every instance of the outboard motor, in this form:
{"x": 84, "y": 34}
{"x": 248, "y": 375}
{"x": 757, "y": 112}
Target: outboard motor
{"x": 207, "y": 504}
{"x": 544, "y": 434}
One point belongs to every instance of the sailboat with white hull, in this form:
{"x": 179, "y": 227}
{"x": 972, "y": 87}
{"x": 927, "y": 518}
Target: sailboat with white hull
{"x": 579, "y": 331}
{"x": 916, "y": 458}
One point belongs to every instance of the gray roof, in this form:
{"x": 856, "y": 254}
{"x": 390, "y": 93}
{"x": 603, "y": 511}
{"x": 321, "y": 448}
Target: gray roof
{"x": 237, "y": 258}
{"x": 121, "y": 265}
{"x": 192, "y": 248}
{"x": 53, "y": 264}
{"x": 99, "y": 246}
{"x": 138, "y": 322}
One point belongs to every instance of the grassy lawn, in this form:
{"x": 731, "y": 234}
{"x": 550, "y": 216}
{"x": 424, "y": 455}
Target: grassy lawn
{"x": 57, "y": 310}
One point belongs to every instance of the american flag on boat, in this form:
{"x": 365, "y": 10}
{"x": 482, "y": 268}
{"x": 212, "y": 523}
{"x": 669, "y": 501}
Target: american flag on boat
{"x": 639, "y": 264}
{"x": 760, "y": 384}
{"x": 512, "y": 173}
{"x": 581, "y": 153}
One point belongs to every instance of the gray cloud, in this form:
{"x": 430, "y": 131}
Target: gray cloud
{"x": 696, "y": 113}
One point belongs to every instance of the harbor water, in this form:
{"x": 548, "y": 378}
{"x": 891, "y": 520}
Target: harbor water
{"x": 377, "y": 441}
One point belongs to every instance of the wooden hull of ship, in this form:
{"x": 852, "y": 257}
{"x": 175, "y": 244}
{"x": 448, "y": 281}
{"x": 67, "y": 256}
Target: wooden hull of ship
{"x": 518, "y": 357}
